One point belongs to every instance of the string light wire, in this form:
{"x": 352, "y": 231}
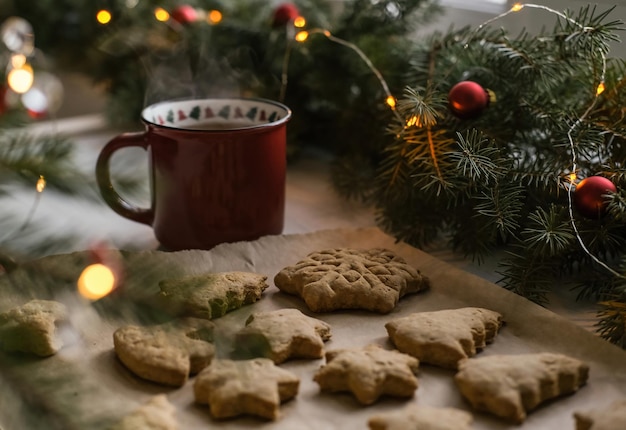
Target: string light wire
{"x": 598, "y": 90}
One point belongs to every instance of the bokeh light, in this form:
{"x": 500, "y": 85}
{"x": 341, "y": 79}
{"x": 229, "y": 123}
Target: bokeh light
{"x": 96, "y": 281}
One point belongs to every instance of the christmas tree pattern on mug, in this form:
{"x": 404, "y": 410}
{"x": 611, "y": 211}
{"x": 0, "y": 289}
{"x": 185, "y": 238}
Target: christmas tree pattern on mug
{"x": 254, "y": 114}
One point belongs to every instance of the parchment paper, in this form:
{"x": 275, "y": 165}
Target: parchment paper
{"x": 86, "y": 387}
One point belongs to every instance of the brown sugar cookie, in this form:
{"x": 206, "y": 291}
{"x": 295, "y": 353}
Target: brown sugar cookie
{"x": 610, "y": 418}
{"x": 33, "y": 327}
{"x": 156, "y": 414}
{"x": 510, "y": 386}
{"x": 443, "y": 338}
{"x": 419, "y": 417}
{"x": 245, "y": 387}
{"x": 167, "y": 353}
{"x": 372, "y": 279}
{"x": 368, "y": 373}
{"x": 212, "y": 295}
{"x": 283, "y": 334}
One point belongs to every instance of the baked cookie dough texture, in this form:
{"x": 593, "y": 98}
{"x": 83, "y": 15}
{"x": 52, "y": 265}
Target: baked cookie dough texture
{"x": 373, "y": 279}
{"x": 510, "y": 386}
{"x": 168, "y": 353}
{"x": 33, "y": 328}
{"x": 245, "y": 387}
{"x": 443, "y": 338}
{"x": 609, "y": 418}
{"x": 368, "y": 373}
{"x": 419, "y": 417}
{"x": 212, "y": 295}
{"x": 282, "y": 335}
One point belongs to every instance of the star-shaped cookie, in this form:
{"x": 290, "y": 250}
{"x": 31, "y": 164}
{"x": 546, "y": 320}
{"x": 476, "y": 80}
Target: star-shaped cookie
{"x": 245, "y": 387}
{"x": 368, "y": 373}
{"x": 510, "y": 386}
{"x": 371, "y": 279}
{"x": 212, "y": 295}
{"x": 420, "y": 417}
{"x": 32, "y": 327}
{"x": 283, "y": 334}
{"x": 167, "y": 353}
{"x": 443, "y": 338}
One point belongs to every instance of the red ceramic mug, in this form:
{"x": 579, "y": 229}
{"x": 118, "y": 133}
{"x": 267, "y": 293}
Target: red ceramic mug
{"x": 217, "y": 170}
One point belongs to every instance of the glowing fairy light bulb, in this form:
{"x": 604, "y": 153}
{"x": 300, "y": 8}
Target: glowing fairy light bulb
{"x": 391, "y": 102}
{"x": 96, "y": 281}
{"x": 20, "y": 79}
{"x": 299, "y": 22}
{"x": 301, "y": 36}
{"x": 600, "y": 89}
{"x": 161, "y": 14}
{"x": 103, "y": 16}
{"x": 41, "y": 184}
{"x": 517, "y": 7}
{"x": 414, "y": 120}
{"x": 572, "y": 177}
{"x": 214, "y": 17}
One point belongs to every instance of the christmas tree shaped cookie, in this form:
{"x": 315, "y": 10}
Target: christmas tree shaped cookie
{"x": 443, "y": 338}
{"x": 510, "y": 386}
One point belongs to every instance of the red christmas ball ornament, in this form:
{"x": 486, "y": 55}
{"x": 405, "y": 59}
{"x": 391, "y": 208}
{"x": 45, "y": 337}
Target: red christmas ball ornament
{"x": 184, "y": 14}
{"x": 284, "y": 13}
{"x": 467, "y": 99}
{"x": 589, "y": 198}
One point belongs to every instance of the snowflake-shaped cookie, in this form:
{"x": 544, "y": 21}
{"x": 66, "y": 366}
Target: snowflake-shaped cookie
{"x": 283, "y": 334}
{"x": 445, "y": 337}
{"x": 245, "y": 387}
{"x": 368, "y": 373}
{"x": 372, "y": 279}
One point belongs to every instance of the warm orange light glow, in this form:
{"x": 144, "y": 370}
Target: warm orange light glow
{"x": 299, "y": 22}
{"x": 391, "y": 101}
{"x": 103, "y": 16}
{"x": 302, "y": 36}
{"x": 600, "y": 89}
{"x": 21, "y": 79}
{"x": 161, "y": 14}
{"x": 517, "y": 7}
{"x": 18, "y": 61}
{"x": 214, "y": 17}
{"x": 41, "y": 184}
{"x": 96, "y": 281}
{"x": 414, "y": 120}
{"x": 572, "y": 177}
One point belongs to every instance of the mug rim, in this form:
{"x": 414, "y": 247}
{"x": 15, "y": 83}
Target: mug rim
{"x": 284, "y": 119}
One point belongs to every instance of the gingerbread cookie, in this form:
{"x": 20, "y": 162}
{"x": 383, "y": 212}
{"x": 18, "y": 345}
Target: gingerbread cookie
{"x": 510, "y": 386}
{"x": 373, "y": 279}
{"x": 443, "y": 338}
{"x": 212, "y": 295}
{"x": 609, "y": 418}
{"x": 32, "y": 327}
{"x": 156, "y": 414}
{"x": 423, "y": 418}
{"x": 283, "y": 334}
{"x": 246, "y": 387}
{"x": 167, "y": 353}
{"x": 368, "y": 373}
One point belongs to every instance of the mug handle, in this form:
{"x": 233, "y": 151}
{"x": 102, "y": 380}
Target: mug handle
{"x": 103, "y": 178}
